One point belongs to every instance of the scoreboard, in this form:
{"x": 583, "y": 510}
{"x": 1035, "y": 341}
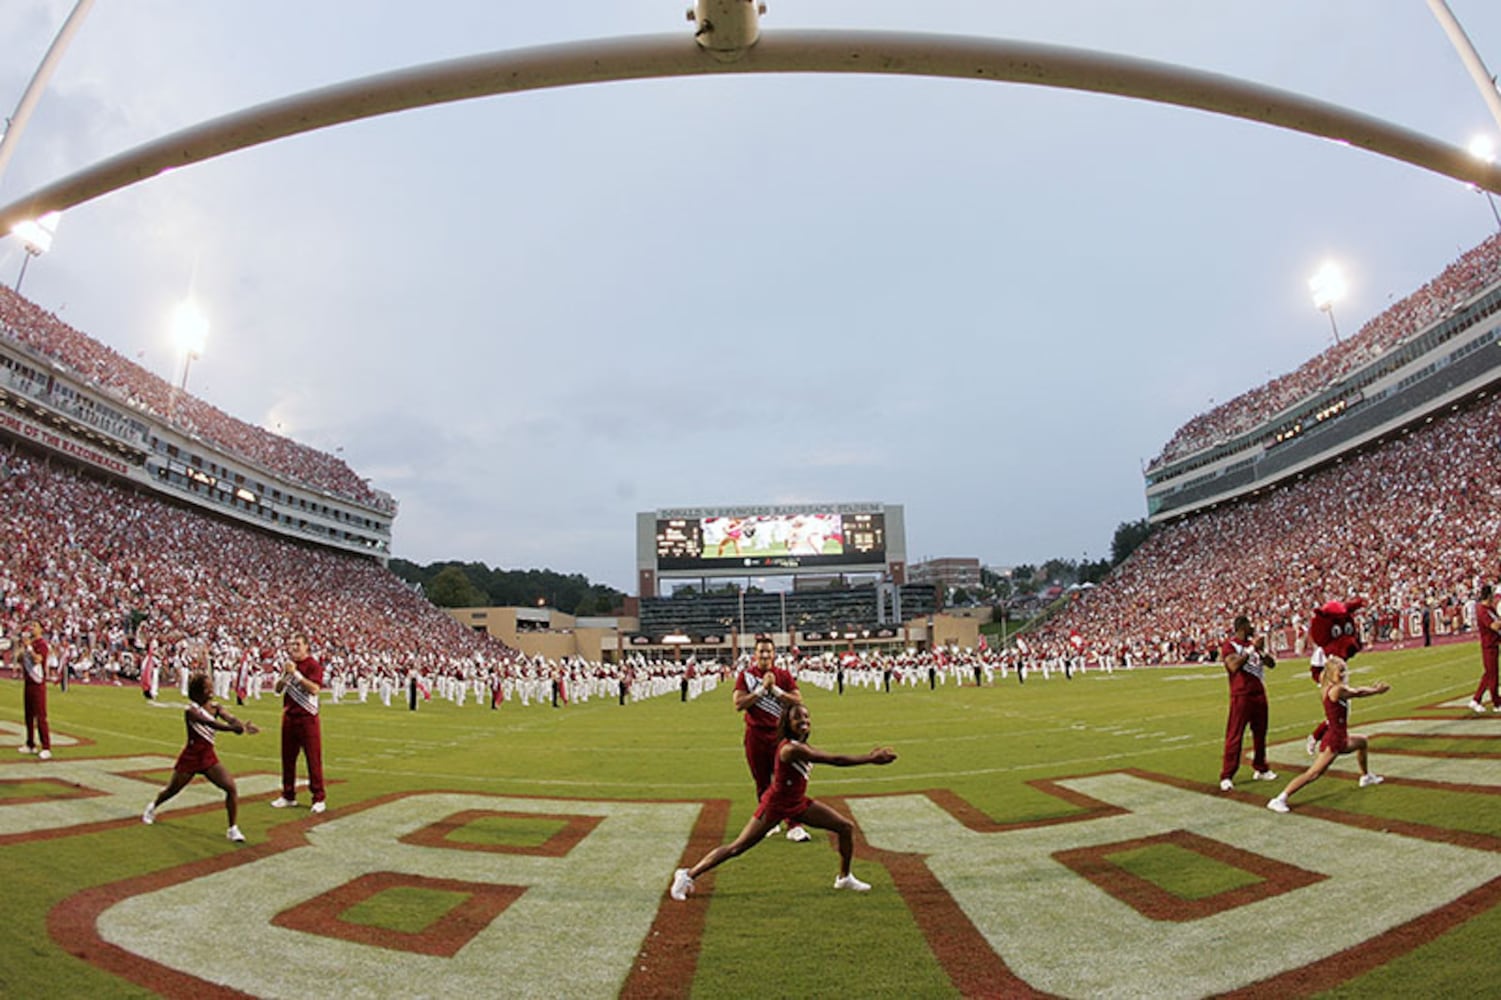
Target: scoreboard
{"x": 769, "y": 540}
{"x": 865, "y": 534}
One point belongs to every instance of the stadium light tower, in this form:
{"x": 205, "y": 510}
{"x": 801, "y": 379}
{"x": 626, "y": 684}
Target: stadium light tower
{"x": 1484, "y": 150}
{"x": 1328, "y": 287}
{"x": 36, "y": 239}
{"x": 190, "y": 330}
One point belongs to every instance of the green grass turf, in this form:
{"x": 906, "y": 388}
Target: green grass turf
{"x": 507, "y": 831}
{"x": 11, "y": 790}
{"x": 982, "y": 744}
{"x": 403, "y": 908}
{"x": 1183, "y": 873}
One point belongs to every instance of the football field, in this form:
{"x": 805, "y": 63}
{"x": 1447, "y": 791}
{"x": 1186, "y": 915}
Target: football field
{"x": 1058, "y": 837}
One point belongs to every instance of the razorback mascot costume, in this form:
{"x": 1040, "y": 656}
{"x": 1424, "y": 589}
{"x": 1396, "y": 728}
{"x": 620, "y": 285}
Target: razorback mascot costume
{"x": 1333, "y": 632}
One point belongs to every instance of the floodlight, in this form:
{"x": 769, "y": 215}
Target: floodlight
{"x": 37, "y": 234}
{"x": 189, "y": 328}
{"x": 36, "y": 238}
{"x": 1483, "y": 148}
{"x": 1328, "y": 287}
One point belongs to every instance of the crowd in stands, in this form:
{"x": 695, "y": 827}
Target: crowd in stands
{"x": 123, "y": 581}
{"x": 130, "y": 587}
{"x": 1472, "y": 273}
{"x": 92, "y": 561}
{"x": 115, "y": 375}
{"x": 1409, "y": 526}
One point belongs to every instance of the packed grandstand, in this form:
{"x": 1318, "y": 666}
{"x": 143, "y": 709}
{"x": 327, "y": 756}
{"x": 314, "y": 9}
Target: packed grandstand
{"x": 133, "y": 548}
{"x": 1467, "y": 277}
{"x": 27, "y": 324}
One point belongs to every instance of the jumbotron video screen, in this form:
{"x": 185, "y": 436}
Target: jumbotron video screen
{"x": 771, "y": 541}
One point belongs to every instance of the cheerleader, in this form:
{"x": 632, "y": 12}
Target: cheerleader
{"x": 787, "y": 799}
{"x": 204, "y": 717}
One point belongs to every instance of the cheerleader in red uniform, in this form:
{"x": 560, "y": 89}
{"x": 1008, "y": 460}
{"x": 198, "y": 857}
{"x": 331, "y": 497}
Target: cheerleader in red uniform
{"x": 1337, "y": 738}
{"x": 787, "y": 799}
{"x": 1333, "y": 632}
{"x": 205, "y": 718}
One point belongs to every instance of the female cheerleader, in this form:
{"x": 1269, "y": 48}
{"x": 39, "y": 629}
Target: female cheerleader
{"x": 1337, "y": 739}
{"x": 204, "y": 718}
{"x": 787, "y": 799}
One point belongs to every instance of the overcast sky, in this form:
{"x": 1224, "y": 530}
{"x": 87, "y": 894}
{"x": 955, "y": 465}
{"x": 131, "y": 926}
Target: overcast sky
{"x": 530, "y": 317}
